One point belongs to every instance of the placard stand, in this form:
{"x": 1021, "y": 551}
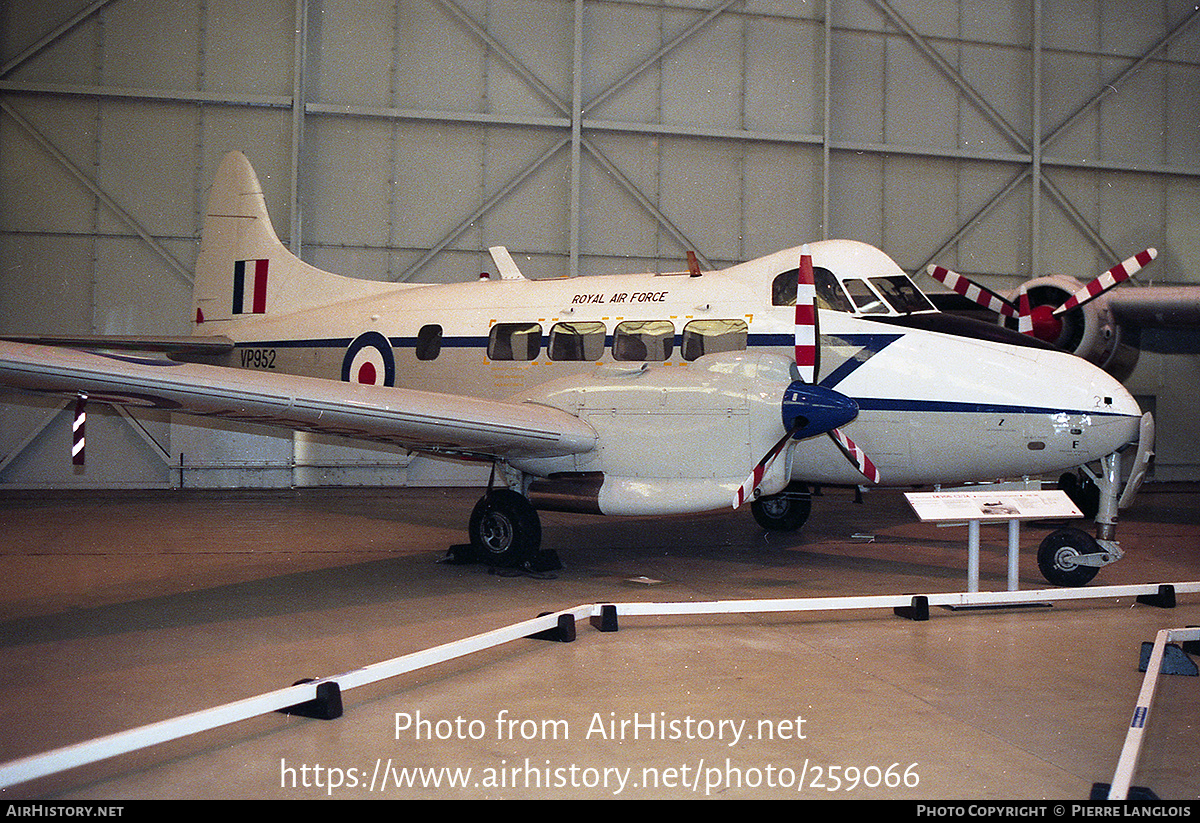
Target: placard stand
{"x": 982, "y": 505}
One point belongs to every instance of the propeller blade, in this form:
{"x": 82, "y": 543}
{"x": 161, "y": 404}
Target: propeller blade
{"x": 972, "y": 291}
{"x": 808, "y": 340}
{"x": 748, "y": 487}
{"x": 1024, "y": 313}
{"x": 856, "y": 455}
{"x": 1117, "y": 274}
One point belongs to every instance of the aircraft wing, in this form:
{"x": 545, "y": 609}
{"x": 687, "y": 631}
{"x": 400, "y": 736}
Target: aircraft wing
{"x": 416, "y": 420}
{"x": 1158, "y": 306}
{"x": 166, "y": 345}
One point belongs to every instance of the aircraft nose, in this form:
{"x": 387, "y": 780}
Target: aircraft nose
{"x": 1117, "y": 412}
{"x": 1110, "y": 395}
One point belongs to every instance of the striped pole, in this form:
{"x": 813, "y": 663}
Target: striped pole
{"x": 77, "y": 430}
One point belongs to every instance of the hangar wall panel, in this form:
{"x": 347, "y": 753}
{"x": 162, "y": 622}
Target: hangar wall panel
{"x": 399, "y": 139}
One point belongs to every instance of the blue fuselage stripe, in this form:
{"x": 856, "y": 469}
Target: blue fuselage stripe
{"x": 870, "y": 344}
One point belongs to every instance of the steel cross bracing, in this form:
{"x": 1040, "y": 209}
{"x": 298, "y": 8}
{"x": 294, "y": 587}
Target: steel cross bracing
{"x": 574, "y": 120}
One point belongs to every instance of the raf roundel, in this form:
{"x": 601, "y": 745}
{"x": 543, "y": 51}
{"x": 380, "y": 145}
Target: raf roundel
{"x": 369, "y": 360}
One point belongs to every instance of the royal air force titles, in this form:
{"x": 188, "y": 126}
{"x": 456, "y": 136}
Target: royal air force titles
{"x": 626, "y": 298}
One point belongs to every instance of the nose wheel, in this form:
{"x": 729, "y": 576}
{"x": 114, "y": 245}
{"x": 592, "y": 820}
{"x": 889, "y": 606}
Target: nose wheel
{"x": 1070, "y": 558}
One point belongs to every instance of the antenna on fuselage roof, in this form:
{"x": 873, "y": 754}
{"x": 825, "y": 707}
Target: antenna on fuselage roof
{"x": 693, "y": 264}
{"x": 504, "y": 264}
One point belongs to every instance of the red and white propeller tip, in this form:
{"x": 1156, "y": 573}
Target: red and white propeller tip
{"x": 857, "y": 456}
{"x": 1117, "y": 274}
{"x": 808, "y": 344}
{"x": 1039, "y": 321}
{"x": 972, "y": 291}
{"x": 746, "y": 490}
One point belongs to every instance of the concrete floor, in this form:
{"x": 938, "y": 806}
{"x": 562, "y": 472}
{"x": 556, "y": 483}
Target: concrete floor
{"x": 120, "y": 609}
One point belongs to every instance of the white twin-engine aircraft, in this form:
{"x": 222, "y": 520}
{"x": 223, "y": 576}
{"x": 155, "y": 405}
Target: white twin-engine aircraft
{"x": 625, "y": 395}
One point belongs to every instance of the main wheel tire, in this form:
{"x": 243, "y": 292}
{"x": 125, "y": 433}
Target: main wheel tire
{"x": 783, "y": 512}
{"x": 505, "y": 528}
{"x": 1057, "y": 557}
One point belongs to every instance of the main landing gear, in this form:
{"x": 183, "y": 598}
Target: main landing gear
{"x": 505, "y": 529}
{"x": 506, "y": 533}
{"x": 783, "y": 512}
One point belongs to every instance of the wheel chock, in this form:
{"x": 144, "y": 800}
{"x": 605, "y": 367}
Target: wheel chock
{"x": 544, "y": 560}
{"x": 327, "y": 705}
{"x": 1164, "y": 599}
{"x": 1192, "y": 646}
{"x": 460, "y": 554}
{"x": 917, "y": 610}
{"x": 1174, "y": 661}
{"x": 564, "y": 632}
{"x": 1139, "y": 794}
{"x": 607, "y": 620}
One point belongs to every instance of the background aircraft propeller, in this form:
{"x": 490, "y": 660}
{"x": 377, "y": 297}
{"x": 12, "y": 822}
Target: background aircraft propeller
{"x": 1041, "y": 321}
{"x": 809, "y": 409}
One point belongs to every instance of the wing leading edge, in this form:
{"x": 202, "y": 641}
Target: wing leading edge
{"x": 417, "y": 420}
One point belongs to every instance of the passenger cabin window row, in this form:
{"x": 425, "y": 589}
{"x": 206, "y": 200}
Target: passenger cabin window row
{"x": 585, "y": 341}
{"x": 632, "y": 340}
{"x": 655, "y": 340}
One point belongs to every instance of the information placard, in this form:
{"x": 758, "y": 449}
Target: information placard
{"x": 991, "y": 505}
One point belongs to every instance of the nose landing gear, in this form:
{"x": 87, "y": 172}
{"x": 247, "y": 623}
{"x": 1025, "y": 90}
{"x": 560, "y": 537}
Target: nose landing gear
{"x": 1070, "y": 557}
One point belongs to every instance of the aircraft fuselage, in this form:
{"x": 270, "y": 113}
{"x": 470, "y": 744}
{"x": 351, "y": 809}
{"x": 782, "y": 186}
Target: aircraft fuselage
{"x": 624, "y": 353}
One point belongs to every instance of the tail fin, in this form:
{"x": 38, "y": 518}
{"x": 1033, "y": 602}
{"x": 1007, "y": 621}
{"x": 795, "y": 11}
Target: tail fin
{"x": 243, "y": 271}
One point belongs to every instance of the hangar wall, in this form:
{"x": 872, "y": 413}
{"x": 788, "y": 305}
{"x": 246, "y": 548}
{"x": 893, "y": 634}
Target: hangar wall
{"x": 398, "y": 140}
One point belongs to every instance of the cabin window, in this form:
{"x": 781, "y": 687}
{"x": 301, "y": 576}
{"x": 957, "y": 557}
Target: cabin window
{"x": 576, "y": 341}
{"x": 829, "y": 293}
{"x": 702, "y": 337}
{"x": 429, "y": 342}
{"x": 514, "y": 341}
{"x": 643, "y": 340}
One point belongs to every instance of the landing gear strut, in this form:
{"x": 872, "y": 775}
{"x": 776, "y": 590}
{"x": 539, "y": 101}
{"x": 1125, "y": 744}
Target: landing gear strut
{"x": 1070, "y": 557}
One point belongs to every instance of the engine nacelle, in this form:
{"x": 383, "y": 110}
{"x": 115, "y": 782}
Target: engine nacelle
{"x": 1089, "y": 331}
{"x": 672, "y": 439}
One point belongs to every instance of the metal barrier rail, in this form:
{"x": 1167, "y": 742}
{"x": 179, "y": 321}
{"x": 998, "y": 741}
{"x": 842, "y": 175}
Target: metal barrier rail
{"x": 1131, "y": 751}
{"x": 322, "y": 697}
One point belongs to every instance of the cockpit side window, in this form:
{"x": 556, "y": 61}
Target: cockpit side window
{"x": 829, "y": 293}
{"x": 865, "y": 299}
{"x": 902, "y": 293}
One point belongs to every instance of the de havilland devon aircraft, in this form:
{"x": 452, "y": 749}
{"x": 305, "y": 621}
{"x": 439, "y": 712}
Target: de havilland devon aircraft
{"x": 644, "y": 394}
